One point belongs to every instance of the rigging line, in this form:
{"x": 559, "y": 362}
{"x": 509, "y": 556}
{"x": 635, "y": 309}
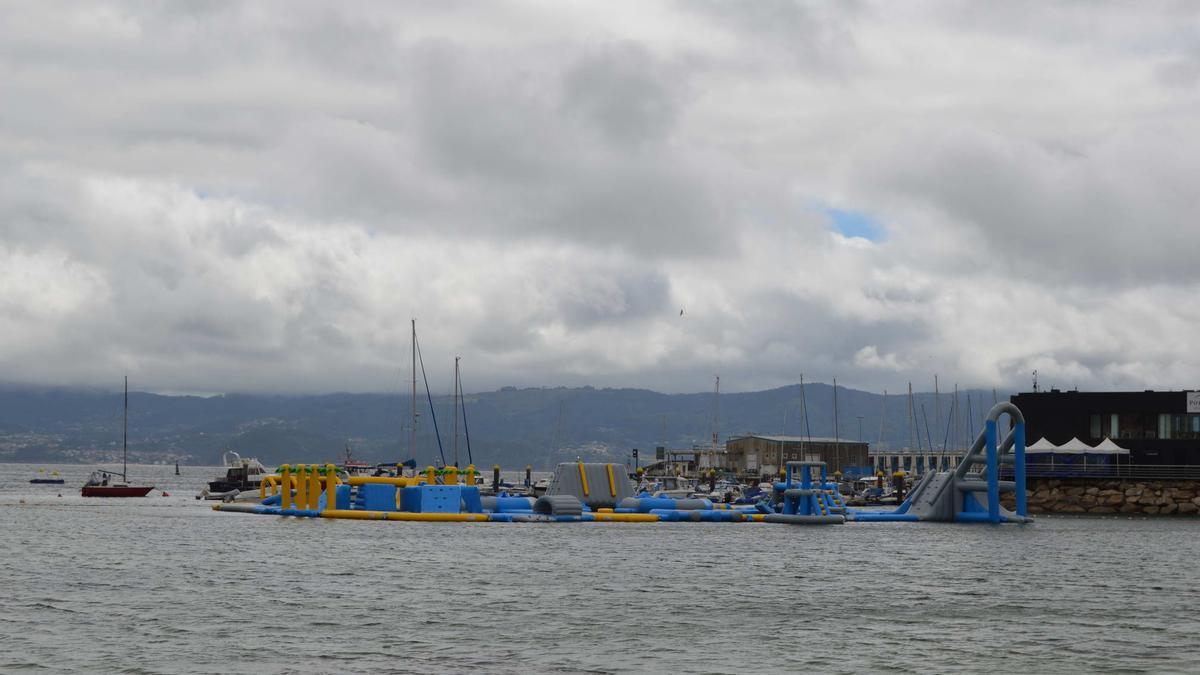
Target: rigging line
{"x": 454, "y": 411}
{"x": 804, "y": 405}
{"x": 436, "y": 433}
{"x": 466, "y": 432}
{"x": 928, "y": 438}
{"x": 946, "y": 438}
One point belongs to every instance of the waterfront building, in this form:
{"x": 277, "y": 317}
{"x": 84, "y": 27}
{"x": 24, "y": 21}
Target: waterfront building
{"x": 687, "y": 461}
{"x": 764, "y": 455}
{"x": 1158, "y": 428}
{"x": 912, "y": 462}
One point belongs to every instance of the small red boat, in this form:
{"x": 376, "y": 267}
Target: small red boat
{"x": 103, "y": 483}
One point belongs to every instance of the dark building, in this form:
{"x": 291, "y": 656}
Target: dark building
{"x": 1158, "y": 427}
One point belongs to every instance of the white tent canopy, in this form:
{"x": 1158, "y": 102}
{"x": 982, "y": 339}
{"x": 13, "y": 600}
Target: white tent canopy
{"x": 1042, "y": 447}
{"x": 1107, "y": 447}
{"x": 1075, "y": 447}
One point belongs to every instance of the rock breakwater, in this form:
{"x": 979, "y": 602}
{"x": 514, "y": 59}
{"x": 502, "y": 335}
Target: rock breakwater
{"x": 1097, "y": 495}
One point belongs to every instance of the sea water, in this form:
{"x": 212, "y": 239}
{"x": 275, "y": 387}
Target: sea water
{"x": 166, "y": 585}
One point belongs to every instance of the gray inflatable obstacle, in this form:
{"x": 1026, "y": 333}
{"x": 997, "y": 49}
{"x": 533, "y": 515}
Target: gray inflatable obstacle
{"x": 971, "y": 492}
{"x": 600, "y": 486}
{"x": 558, "y": 505}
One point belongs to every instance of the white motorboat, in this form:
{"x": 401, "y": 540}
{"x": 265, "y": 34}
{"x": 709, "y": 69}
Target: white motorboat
{"x": 241, "y": 475}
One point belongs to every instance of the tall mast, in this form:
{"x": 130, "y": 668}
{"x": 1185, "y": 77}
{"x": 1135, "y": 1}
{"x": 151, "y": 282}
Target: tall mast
{"x": 125, "y": 436}
{"x": 937, "y": 405}
{"x": 837, "y": 439}
{"x": 882, "y": 410}
{"x": 954, "y": 414}
{"x": 970, "y": 420}
{"x": 456, "y": 411}
{"x": 716, "y": 422}
{"x": 835, "y": 411}
{"x": 412, "y": 439}
{"x": 462, "y": 403}
{"x": 804, "y": 407}
{"x": 912, "y": 416}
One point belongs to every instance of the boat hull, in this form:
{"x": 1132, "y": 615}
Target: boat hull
{"x": 115, "y": 491}
{"x": 47, "y": 481}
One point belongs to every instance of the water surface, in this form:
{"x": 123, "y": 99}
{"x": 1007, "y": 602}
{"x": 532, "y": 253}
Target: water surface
{"x": 166, "y": 585}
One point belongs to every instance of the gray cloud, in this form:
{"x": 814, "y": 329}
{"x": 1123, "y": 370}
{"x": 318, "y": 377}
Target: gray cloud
{"x": 257, "y": 197}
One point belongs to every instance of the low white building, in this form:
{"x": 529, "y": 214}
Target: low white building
{"x": 912, "y": 462}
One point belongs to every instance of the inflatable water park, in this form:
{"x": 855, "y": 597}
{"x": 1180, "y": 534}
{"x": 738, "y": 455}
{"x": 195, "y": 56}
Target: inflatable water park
{"x": 599, "y": 492}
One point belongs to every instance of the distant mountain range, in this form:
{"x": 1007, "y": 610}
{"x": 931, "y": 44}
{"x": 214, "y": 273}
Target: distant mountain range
{"x": 511, "y": 427}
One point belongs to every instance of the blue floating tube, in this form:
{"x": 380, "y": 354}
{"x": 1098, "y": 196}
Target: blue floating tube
{"x": 697, "y": 516}
{"x": 881, "y": 517}
{"x": 249, "y": 508}
{"x": 726, "y": 517}
{"x": 513, "y": 504}
{"x": 273, "y": 500}
{"x": 300, "y": 513}
{"x": 674, "y": 515}
{"x": 649, "y": 504}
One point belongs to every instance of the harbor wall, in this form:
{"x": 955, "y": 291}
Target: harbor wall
{"x": 1112, "y": 495}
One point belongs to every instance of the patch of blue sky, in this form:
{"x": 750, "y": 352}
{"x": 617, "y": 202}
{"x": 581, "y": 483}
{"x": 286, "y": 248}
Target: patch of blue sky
{"x": 855, "y": 224}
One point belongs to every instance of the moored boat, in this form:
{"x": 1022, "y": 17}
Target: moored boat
{"x": 103, "y": 483}
{"x": 241, "y": 475}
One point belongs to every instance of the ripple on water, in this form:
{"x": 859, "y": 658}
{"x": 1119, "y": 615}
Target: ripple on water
{"x": 166, "y": 585}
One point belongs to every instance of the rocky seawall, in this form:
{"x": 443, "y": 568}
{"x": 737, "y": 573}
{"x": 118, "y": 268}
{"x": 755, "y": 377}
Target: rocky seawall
{"x": 1097, "y": 495}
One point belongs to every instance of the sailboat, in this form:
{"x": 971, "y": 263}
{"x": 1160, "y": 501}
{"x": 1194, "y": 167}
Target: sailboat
{"x": 104, "y": 483}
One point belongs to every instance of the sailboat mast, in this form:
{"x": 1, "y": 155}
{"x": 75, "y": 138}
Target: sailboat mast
{"x": 937, "y": 406}
{"x": 456, "y": 411}
{"x": 957, "y": 417}
{"x": 804, "y": 407}
{"x": 837, "y": 439}
{"x": 912, "y": 416}
{"x": 125, "y": 435}
{"x": 412, "y": 439}
{"x": 716, "y": 420}
{"x": 882, "y": 414}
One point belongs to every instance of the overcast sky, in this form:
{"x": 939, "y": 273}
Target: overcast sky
{"x": 216, "y": 196}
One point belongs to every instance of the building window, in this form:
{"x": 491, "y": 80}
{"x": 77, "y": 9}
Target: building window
{"x": 1138, "y": 425}
{"x": 1095, "y": 427}
{"x": 1184, "y": 427}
